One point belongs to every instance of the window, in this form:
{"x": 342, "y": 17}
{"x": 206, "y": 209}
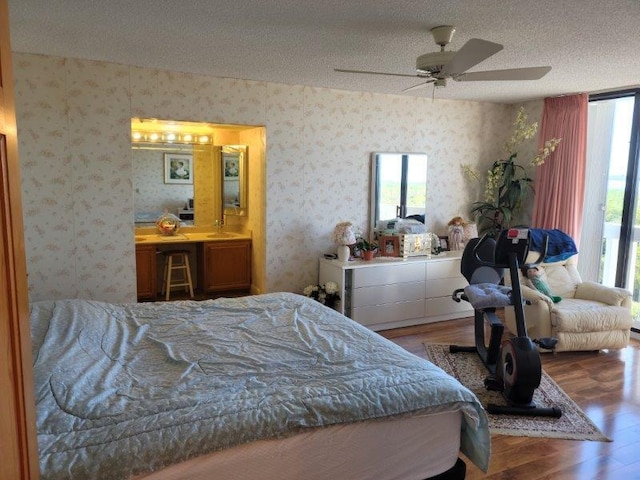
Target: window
{"x": 610, "y": 250}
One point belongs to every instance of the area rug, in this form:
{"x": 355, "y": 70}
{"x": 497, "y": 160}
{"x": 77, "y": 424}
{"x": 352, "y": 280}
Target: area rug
{"x": 471, "y": 372}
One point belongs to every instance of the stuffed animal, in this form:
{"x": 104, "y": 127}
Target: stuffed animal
{"x": 534, "y": 276}
{"x": 456, "y": 233}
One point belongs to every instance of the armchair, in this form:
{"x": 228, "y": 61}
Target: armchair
{"x": 590, "y": 316}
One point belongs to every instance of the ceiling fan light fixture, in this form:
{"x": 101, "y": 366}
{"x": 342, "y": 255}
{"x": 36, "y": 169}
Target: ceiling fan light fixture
{"x": 443, "y": 34}
{"x": 432, "y": 63}
{"x": 436, "y": 67}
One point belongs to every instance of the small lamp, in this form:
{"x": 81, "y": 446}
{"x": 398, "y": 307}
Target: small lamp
{"x": 470, "y": 231}
{"x": 344, "y": 235}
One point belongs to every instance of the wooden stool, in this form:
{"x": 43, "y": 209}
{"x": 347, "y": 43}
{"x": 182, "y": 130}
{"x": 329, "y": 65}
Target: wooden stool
{"x": 177, "y": 260}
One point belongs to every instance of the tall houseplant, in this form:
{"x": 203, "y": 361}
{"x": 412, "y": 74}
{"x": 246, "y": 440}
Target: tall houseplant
{"x": 507, "y": 184}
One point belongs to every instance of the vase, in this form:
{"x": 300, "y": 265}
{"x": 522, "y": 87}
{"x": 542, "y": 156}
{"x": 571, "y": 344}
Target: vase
{"x": 344, "y": 252}
{"x": 367, "y": 254}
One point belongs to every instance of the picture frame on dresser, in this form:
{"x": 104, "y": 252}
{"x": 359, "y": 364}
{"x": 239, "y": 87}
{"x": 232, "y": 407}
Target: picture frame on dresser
{"x": 389, "y": 246}
{"x": 444, "y": 243}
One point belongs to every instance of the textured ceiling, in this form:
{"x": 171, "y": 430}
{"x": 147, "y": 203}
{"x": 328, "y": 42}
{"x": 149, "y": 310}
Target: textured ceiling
{"x": 591, "y": 45}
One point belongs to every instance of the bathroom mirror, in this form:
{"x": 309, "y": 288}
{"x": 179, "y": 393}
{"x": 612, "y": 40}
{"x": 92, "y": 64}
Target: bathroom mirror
{"x": 208, "y": 191}
{"x": 234, "y": 179}
{"x": 151, "y": 193}
{"x": 398, "y": 186}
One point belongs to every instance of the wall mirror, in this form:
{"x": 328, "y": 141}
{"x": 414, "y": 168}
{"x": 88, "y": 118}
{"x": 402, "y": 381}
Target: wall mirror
{"x": 197, "y": 195}
{"x": 234, "y": 179}
{"x": 398, "y": 186}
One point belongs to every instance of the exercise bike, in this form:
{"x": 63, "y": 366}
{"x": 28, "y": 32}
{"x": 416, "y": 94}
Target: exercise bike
{"x": 514, "y": 364}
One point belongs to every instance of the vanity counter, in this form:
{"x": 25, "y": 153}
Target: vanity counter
{"x": 196, "y": 237}
{"x": 221, "y": 260}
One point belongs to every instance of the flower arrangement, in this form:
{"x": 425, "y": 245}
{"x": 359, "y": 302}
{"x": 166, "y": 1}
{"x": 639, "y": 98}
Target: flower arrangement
{"x": 168, "y": 224}
{"x": 507, "y": 184}
{"x": 327, "y": 294}
{"x": 344, "y": 233}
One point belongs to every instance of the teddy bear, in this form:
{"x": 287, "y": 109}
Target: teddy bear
{"x": 534, "y": 275}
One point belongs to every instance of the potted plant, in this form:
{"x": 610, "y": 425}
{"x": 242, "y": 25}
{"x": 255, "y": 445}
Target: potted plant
{"x": 507, "y": 184}
{"x": 368, "y": 248}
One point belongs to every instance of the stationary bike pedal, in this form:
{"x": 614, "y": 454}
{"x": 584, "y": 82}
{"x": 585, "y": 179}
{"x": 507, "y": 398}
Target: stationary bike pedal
{"x": 548, "y": 343}
{"x": 493, "y": 383}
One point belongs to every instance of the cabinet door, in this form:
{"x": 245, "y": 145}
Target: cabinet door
{"x": 226, "y": 266}
{"x": 146, "y": 276}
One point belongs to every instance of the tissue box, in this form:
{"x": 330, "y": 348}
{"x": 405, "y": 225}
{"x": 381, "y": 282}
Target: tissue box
{"x": 415, "y": 244}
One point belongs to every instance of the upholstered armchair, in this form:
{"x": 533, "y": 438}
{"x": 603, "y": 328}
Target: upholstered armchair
{"x": 590, "y": 316}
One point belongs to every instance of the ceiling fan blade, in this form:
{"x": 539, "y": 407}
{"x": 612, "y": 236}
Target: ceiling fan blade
{"x": 374, "y": 73}
{"x": 531, "y": 73}
{"x": 472, "y": 53}
{"x": 420, "y": 85}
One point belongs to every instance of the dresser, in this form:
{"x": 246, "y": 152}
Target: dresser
{"x": 393, "y": 292}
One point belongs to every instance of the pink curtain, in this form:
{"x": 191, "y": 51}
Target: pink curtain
{"x": 559, "y": 184}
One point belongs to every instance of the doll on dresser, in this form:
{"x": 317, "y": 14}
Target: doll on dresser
{"x": 455, "y": 232}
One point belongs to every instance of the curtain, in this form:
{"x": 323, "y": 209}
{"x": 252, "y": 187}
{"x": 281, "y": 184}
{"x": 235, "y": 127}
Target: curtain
{"x": 560, "y": 181}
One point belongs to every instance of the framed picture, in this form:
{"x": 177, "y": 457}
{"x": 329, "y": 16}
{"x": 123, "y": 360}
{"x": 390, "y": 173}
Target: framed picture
{"x": 444, "y": 242}
{"x": 178, "y": 168}
{"x": 231, "y": 168}
{"x": 389, "y": 246}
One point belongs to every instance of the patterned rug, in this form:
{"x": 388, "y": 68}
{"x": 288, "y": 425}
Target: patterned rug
{"x": 470, "y": 371}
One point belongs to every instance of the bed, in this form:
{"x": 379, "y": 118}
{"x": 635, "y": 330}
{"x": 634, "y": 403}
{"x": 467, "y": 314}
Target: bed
{"x": 267, "y": 386}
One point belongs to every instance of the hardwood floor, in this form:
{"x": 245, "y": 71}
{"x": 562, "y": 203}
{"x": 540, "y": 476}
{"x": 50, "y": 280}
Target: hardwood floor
{"x": 605, "y": 384}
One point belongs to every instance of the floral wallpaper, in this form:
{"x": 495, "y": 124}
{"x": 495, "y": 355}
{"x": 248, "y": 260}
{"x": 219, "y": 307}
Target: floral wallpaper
{"x": 73, "y": 128}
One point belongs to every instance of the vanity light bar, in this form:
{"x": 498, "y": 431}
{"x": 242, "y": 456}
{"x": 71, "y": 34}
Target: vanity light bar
{"x": 170, "y": 137}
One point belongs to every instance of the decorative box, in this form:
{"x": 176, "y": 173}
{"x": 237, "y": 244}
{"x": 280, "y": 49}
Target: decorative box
{"x": 415, "y": 244}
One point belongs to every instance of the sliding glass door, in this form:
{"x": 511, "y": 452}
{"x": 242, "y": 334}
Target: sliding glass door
{"x": 611, "y": 231}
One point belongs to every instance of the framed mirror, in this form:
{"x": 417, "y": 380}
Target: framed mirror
{"x": 398, "y": 186}
{"x": 234, "y": 179}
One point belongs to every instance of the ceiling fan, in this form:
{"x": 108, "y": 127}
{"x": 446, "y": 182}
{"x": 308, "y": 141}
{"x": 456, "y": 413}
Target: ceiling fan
{"x": 437, "y": 67}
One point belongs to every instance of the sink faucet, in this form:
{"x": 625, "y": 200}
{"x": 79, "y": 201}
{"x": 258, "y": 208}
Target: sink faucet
{"x": 218, "y": 225}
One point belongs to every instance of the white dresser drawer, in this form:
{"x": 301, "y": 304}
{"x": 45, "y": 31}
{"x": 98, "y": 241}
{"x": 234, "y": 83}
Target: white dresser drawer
{"x": 388, "y": 274}
{"x": 374, "y": 314}
{"x": 446, "y": 306}
{"x": 381, "y": 294}
{"x": 444, "y": 269}
{"x": 444, "y": 287}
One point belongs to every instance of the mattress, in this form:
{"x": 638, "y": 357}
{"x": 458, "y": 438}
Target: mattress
{"x": 123, "y": 390}
{"x": 410, "y": 448}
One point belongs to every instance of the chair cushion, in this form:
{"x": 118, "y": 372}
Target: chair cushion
{"x": 571, "y": 315}
{"x": 561, "y": 278}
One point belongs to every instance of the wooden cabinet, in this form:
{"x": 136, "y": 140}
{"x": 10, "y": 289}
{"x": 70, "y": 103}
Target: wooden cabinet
{"x": 146, "y": 272}
{"x": 224, "y": 266}
{"x": 389, "y": 293}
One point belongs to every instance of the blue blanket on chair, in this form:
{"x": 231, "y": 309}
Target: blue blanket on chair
{"x": 559, "y": 247}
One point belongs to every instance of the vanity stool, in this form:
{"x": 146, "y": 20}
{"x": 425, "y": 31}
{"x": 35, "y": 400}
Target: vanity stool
{"x": 176, "y": 260}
